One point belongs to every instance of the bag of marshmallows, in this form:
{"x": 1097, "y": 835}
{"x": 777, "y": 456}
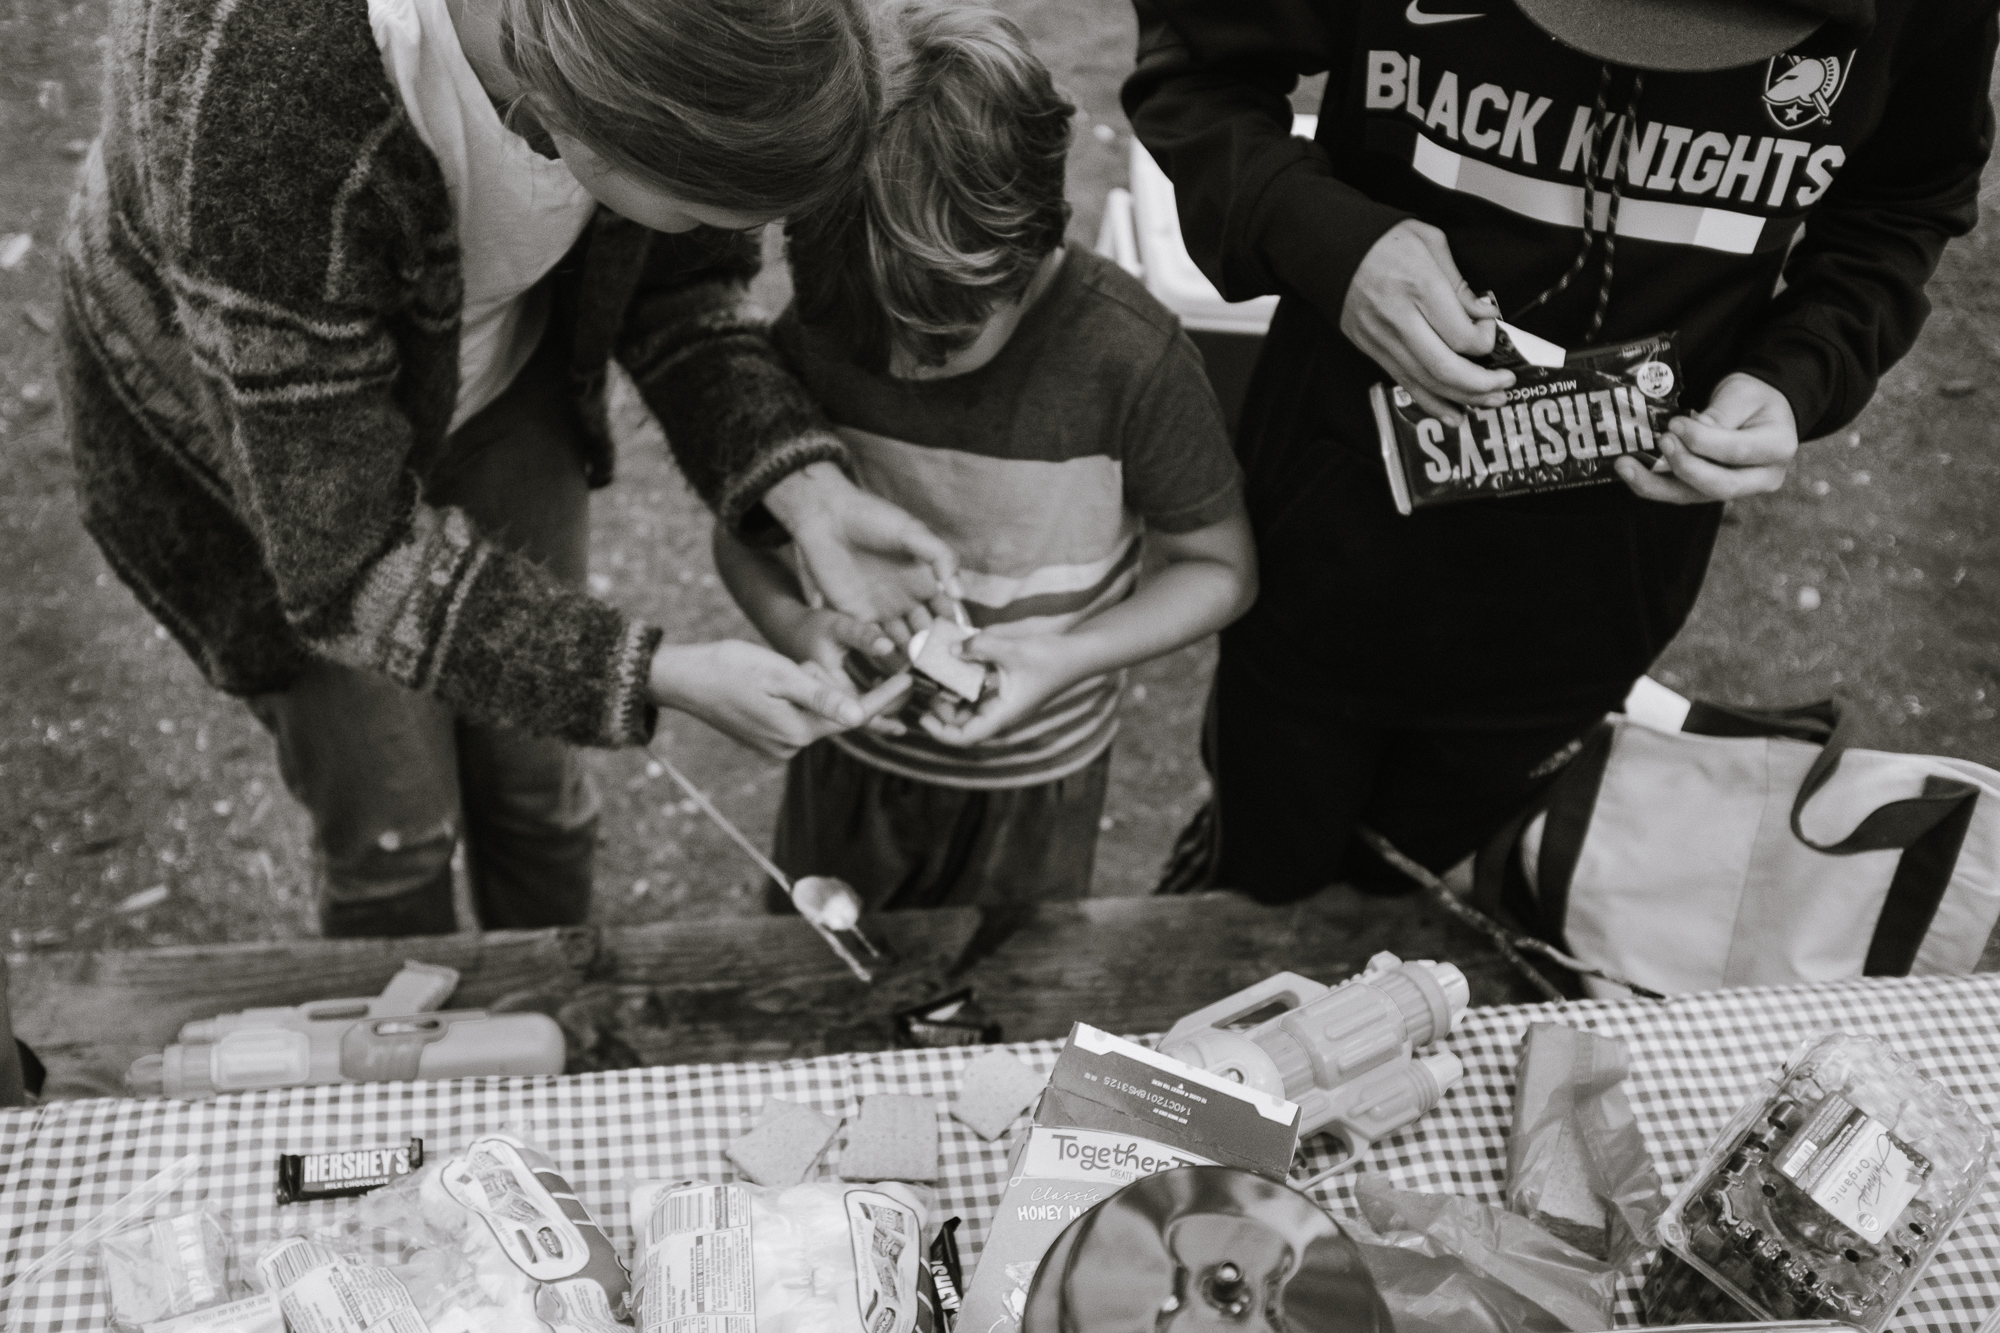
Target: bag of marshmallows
{"x": 822, "y": 1257}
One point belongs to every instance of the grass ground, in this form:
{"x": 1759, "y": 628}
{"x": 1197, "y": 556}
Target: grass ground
{"x": 137, "y": 806}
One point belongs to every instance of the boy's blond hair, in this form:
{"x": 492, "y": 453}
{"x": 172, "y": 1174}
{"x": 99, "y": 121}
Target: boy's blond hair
{"x": 961, "y": 198}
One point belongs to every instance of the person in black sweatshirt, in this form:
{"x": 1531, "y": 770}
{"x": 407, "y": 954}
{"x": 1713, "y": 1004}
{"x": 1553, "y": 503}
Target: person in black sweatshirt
{"x": 1772, "y": 182}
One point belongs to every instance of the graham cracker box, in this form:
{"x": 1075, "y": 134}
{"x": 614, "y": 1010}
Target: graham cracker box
{"x": 1114, "y": 1111}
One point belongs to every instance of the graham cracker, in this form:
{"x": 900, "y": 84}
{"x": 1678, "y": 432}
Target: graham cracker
{"x": 993, "y": 1091}
{"x": 894, "y": 1138}
{"x": 787, "y": 1141}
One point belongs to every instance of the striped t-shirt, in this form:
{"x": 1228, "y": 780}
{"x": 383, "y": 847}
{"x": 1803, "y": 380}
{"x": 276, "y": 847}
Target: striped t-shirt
{"x": 1042, "y": 469}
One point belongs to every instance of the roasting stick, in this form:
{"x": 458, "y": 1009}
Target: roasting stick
{"x": 765, "y": 864}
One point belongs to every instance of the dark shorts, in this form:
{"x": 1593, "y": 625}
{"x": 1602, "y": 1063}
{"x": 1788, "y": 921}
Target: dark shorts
{"x": 903, "y": 843}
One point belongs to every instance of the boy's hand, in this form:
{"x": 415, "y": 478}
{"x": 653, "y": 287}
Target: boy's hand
{"x": 1032, "y": 671}
{"x": 903, "y": 628}
{"x": 1743, "y": 444}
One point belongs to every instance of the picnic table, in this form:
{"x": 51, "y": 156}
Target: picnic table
{"x": 758, "y": 988}
{"x": 1694, "y": 1060}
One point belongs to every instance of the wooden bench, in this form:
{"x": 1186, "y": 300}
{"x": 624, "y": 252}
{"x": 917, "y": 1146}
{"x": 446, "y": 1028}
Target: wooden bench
{"x": 760, "y": 988}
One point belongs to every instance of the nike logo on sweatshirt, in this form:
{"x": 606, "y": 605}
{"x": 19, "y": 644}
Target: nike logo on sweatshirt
{"x": 1415, "y": 14}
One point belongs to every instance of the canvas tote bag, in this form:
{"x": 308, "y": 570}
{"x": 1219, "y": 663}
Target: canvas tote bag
{"x": 1751, "y": 848}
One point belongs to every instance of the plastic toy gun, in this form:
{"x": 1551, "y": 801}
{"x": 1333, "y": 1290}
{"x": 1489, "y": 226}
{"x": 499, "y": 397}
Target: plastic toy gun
{"x": 395, "y": 1035}
{"x": 1346, "y": 1054}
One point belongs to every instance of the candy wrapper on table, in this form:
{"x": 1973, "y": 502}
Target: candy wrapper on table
{"x": 1576, "y": 1164}
{"x": 1561, "y": 426}
{"x": 169, "y": 1266}
{"x": 1446, "y": 1264}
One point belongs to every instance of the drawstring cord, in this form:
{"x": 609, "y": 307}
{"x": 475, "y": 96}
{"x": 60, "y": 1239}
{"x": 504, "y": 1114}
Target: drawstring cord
{"x": 1617, "y": 157}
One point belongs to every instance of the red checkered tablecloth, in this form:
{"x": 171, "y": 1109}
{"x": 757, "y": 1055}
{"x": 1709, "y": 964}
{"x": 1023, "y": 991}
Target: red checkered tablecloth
{"x": 1694, "y": 1060}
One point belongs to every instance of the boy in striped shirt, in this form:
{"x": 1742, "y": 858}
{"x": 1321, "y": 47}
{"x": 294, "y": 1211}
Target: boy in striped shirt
{"x": 1044, "y": 415}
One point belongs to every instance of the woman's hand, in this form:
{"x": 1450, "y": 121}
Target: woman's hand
{"x": 1743, "y": 444}
{"x": 868, "y": 557}
{"x": 1032, "y": 671}
{"x": 823, "y": 635}
{"x": 821, "y": 638}
{"x": 1416, "y": 317}
{"x": 760, "y": 699}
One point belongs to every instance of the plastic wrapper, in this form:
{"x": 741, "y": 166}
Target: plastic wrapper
{"x": 321, "y": 1291}
{"x": 1825, "y": 1197}
{"x": 1560, "y": 427}
{"x": 823, "y": 1257}
{"x": 252, "y": 1314}
{"x": 172, "y": 1265}
{"x": 1576, "y": 1163}
{"x": 140, "y": 1203}
{"x": 490, "y": 1239}
{"x": 1446, "y": 1264}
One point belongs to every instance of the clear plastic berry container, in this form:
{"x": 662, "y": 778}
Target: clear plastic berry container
{"x": 1826, "y": 1196}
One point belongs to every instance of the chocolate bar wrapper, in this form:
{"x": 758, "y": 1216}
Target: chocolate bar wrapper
{"x": 303, "y": 1177}
{"x": 947, "y": 1274}
{"x": 1559, "y": 428}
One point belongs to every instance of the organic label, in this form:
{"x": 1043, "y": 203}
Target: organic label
{"x": 1852, "y": 1166}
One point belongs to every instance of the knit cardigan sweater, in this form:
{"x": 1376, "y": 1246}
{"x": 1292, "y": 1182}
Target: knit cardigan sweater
{"x": 260, "y": 358}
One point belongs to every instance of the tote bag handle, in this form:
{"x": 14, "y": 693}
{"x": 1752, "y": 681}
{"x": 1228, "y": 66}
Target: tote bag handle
{"x": 1928, "y": 828}
{"x": 1898, "y": 824}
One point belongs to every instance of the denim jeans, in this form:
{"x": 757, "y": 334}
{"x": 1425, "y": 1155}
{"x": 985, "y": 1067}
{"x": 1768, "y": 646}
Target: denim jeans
{"x": 394, "y": 780}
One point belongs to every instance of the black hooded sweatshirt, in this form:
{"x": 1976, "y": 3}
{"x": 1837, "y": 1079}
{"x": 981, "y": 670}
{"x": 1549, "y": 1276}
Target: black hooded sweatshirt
{"x": 1781, "y": 217}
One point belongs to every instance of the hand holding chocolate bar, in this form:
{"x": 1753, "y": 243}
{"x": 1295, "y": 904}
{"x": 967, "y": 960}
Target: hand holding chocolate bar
{"x": 1412, "y": 313}
{"x": 1558, "y": 427}
{"x": 1742, "y": 444}
{"x": 1025, "y": 674}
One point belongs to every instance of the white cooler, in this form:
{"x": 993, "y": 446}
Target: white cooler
{"x": 1142, "y": 232}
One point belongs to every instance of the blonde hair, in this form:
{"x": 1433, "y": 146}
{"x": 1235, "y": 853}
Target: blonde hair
{"x": 961, "y": 198}
{"x": 758, "y": 105}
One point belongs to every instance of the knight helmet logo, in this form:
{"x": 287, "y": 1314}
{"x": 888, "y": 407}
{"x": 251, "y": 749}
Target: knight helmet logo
{"x": 1799, "y": 90}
